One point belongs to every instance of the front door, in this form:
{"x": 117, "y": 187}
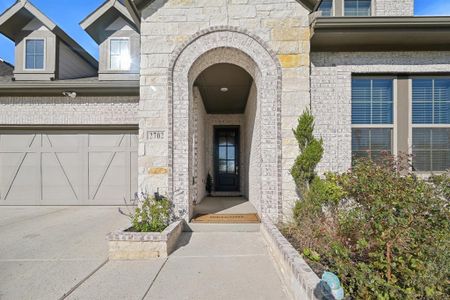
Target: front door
{"x": 226, "y": 158}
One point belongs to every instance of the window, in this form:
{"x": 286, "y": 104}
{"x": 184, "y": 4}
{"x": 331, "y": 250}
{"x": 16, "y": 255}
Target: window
{"x": 34, "y": 54}
{"x": 431, "y": 124}
{"x": 120, "y": 54}
{"x": 372, "y": 117}
{"x": 326, "y": 8}
{"x": 357, "y": 8}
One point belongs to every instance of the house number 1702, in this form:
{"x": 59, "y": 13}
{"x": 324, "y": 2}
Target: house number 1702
{"x": 155, "y": 135}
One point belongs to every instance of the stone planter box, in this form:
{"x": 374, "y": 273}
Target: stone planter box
{"x": 124, "y": 245}
{"x": 298, "y": 276}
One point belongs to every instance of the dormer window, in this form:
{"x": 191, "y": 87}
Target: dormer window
{"x": 34, "y": 54}
{"x": 357, "y": 8}
{"x": 120, "y": 59}
{"x": 326, "y": 8}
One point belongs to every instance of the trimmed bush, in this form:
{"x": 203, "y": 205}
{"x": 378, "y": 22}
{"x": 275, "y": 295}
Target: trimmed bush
{"x": 311, "y": 152}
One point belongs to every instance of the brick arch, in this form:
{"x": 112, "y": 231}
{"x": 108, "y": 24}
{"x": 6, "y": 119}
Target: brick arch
{"x": 209, "y": 47}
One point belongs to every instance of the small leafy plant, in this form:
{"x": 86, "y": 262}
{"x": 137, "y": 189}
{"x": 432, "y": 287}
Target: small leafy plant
{"x": 152, "y": 214}
{"x": 209, "y": 184}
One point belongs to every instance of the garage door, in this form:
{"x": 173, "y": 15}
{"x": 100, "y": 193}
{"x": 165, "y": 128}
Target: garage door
{"x": 67, "y": 167}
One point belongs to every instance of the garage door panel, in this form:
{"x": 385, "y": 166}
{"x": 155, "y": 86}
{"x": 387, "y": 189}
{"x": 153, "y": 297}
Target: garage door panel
{"x": 106, "y": 140}
{"x": 113, "y": 182}
{"x": 60, "y": 180}
{"x": 67, "y": 167}
{"x": 62, "y": 141}
{"x": 17, "y": 141}
{"x": 21, "y": 185}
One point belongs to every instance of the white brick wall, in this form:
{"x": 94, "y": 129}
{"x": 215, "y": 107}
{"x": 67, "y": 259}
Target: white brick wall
{"x": 201, "y": 169}
{"x": 394, "y": 7}
{"x": 65, "y": 111}
{"x": 252, "y": 153}
{"x": 331, "y": 92}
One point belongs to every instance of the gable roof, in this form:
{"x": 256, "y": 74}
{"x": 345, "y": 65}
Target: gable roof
{"x": 6, "y": 69}
{"x": 96, "y": 23}
{"x": 22, "y": 12}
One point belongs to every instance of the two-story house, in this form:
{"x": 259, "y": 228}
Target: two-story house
{"x": 187, "y": 89}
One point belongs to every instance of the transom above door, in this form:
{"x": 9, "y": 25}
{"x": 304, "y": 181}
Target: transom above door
{"x": 226, "y": 158}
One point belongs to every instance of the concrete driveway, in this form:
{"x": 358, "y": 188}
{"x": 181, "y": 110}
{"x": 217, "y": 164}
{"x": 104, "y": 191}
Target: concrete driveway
{"x": 46, "y": 251}
{"x": 61, "y": 253}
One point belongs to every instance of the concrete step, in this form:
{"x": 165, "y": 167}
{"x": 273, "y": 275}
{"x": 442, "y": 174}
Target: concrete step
{"x": 199, "y": 227}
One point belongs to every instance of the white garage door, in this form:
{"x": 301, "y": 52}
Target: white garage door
{"x": 67, "y": 167}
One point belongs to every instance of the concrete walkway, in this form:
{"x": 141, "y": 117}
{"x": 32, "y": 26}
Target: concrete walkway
{"x": 60, "y": 253}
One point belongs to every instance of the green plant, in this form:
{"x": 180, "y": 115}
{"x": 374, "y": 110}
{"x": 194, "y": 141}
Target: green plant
{"x": 311, "y": 152}
{"x": 384, "y": 231}
{"x": 152, "y": 215}
{"x": 209, "y": 184}
{"x": 442, "y": 182}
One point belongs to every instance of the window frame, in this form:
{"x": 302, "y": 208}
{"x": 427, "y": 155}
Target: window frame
{"x": 411, "y": 125}
{"x": 25, "y": 54}
{"x": 110, "y": 40}
{"x": 392, "y": 126}
{"x": 372, "y": 9}
{"x": 333, "y": 9}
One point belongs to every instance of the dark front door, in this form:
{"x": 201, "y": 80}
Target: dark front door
{"x": 226, "y": 158}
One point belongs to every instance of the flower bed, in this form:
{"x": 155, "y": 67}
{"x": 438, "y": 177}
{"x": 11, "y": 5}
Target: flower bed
{"x": 128, "y": 245}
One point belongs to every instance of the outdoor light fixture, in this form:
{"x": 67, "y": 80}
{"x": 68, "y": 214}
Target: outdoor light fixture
{"x": 224, "y": 89}
{"x": 72, "y": 95}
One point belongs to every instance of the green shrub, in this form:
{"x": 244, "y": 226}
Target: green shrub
{"x": 311, "y": 152}
{"x": 384, "y": 231}
{"x": 153, "y": 215}
{"x": 442, "y": 182}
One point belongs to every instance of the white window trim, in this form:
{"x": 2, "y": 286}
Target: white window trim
{"x": 109, "y": 53}
{"x": 392, "y": 126}
{"x": 372, "y": 9}
{"x": 25, "y": 54}
{"x": 412, "y": 125}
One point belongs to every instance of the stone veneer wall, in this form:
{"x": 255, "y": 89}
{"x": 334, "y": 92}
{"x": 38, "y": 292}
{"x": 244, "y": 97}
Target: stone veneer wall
{"x": 331, "y": 76}
{"x": 66, "y": 111}
{"x": 281, "y": 26}
{"x": 394, "y": 7}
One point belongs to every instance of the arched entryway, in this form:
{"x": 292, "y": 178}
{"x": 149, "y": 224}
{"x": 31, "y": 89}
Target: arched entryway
{"x": 207, "y": 49}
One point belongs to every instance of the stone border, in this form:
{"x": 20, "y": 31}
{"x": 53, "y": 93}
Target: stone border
{"x": 300, "y": 279}
{"x": 267, "y": 66}
{"x": 125, "y": 245}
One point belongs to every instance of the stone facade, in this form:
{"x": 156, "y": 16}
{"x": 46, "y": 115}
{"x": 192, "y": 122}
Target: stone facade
{"x": 270, "y": 32}
{"x": 331, "y": 75}
{"x": 394, "y": 7}
{"x": 66, "y": 111}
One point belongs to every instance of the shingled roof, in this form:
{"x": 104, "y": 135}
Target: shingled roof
{"x": 6, "y": 69}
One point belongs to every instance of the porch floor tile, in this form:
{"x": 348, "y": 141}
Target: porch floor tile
{"x": 224, "y": 205}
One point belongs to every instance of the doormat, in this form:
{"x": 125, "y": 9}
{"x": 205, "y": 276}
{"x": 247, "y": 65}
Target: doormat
{"x": 226, "y": 219}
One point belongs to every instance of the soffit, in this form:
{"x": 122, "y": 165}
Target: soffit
{"x": 234, "y": 78}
